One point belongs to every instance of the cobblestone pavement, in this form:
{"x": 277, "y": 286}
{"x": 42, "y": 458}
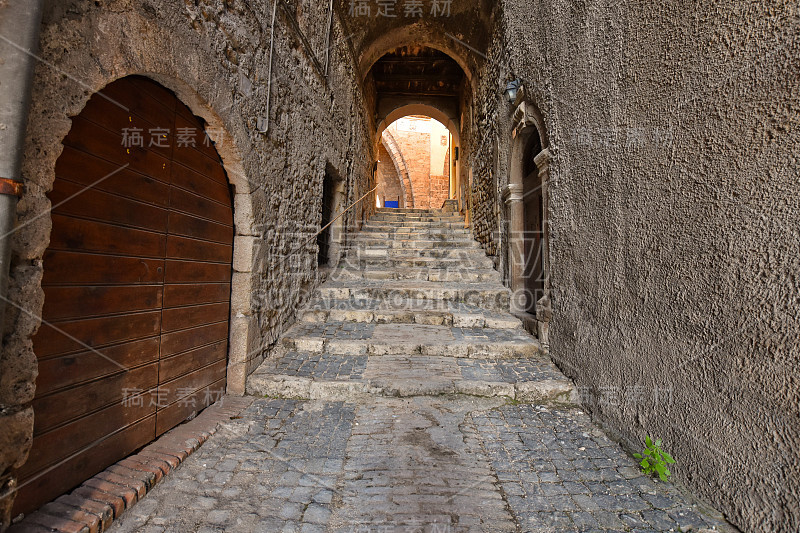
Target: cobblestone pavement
{"x": 418, "y": 464}
{"x": 410, "y": 422}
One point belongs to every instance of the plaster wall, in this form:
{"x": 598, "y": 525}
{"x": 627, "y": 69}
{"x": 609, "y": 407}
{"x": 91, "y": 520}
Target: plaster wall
{"x": 674, "y": 222}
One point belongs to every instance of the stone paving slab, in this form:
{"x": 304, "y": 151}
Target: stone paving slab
{"x": 417, "y": 464}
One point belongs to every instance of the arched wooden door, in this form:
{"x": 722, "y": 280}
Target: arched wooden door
{"x": 137, "y": 286}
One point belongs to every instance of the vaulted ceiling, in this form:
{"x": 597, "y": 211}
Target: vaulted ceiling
{"x": 417, "y": 71}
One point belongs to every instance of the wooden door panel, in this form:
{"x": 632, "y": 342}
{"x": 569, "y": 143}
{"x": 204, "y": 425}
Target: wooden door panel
{"x": 186, "y": 406}
{"x": 173, "y": 367}
{"x": 75, "y": 234}
{"x": 190, "y": 317}
{"x": 78, "y": 201}
{"x": 187, "y": 248}
{"x": 100, "y": 142}
{"x": 68, "y": 268}
{"x": 72, "y": 437}
{"x": 201, "y": 207}
{"x": 73, "y": 369}
{"x": 76, "y": 301}
{"x": 86, "y": 333}
{"x": 71, "y": 404}
{"x": 189, "y": 226}
{"x": 72, "y": 471}
{"x": 187, "y": 179}
{"x": 196, "y": 293}
{"x": 181, "y": 341}
{"x": 192, "y": 271}
{"x": 87, "y": 170}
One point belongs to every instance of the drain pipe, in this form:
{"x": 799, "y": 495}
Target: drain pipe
{"x": 19, "y": 40}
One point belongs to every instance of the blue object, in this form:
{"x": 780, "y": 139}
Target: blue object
{"x": 395, "y": 204}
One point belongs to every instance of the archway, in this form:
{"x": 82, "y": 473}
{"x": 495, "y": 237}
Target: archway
{"x": 421, "y": 149}
{"x": 137, "y": 278}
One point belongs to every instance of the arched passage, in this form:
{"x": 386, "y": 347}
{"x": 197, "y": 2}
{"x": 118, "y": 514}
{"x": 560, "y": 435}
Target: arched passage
{"x": 137, "y": 284}
{"x": 447, "y": 119}
{"x": 421, "y": 149}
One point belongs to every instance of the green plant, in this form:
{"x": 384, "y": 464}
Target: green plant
{"x": 655, "y": 460}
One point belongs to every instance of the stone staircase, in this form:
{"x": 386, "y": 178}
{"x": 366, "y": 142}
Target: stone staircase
{"x": 413, "y": 309}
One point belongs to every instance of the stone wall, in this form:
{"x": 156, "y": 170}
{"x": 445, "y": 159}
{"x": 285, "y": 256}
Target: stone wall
{"x": 214, "y": 55}
{"x": 674, "y": 227}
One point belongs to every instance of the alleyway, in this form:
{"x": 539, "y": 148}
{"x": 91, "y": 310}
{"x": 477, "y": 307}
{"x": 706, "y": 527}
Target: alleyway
{"x": 411, "y": 400}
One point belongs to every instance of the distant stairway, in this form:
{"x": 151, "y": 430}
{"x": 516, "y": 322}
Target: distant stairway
{"x": 414, "y": 308}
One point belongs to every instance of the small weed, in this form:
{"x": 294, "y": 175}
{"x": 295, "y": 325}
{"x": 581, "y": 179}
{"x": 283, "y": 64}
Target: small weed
{"x": 654, "y": 460}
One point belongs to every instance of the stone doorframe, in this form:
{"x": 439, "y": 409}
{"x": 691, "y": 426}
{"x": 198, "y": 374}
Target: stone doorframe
{"x": 527, "y": 120}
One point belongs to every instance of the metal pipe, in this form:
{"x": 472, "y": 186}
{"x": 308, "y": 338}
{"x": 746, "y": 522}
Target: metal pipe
{"x": 19, "y": 40}
{"x": 328, "y": 39}
{"x": 265, "y": 128}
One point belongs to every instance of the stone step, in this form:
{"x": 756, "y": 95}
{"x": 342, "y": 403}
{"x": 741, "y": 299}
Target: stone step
{"x": 413, "y": 243}
{"x": 359, "y": 338}
{"x": 425, "y": 312}
{"x": 455, "y": 274}
{"x": 332, "y": 377}
{"x": 410, "y": 210}
{"x": 411, "y": 224}
{"x": 431, "y": 235}
{"x": 401, "y": 217}
{"x": 372, "y": 252}
{"x": 491, "y": 296}
{"x": 360, "y": 263}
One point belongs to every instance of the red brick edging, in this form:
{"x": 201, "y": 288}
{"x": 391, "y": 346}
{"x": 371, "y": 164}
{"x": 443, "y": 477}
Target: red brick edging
{"x": 92, "y": 507}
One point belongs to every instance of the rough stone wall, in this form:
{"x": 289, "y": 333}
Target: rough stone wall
{"x": 214, "y": 55}
{"x": 674, "y": 227}
{"x": 484, "y": 128}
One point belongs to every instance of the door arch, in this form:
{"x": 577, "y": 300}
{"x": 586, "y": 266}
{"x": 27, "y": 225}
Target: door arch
{"x": 526, "y": 196}
{"x": 137, "y": 286}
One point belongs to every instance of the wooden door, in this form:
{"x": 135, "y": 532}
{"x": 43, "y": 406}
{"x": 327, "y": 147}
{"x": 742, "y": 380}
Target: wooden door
{"x": 137, "y": 286}
{"x": 533, "y": 271}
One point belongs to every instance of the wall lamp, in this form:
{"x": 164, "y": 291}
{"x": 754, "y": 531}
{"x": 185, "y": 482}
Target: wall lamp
{"x": 512, "y": 89}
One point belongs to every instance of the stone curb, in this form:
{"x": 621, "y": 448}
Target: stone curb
{"x": 548, "y": 392}
{"x": 93, "y": 506}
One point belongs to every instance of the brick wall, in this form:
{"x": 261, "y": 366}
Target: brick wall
{"x": 430, "y": 184}
{"x": 389, "y": 178}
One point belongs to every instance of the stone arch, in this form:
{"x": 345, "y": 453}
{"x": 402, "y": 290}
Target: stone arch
{"x": 417, "y": 34}
{"x": 208, "y": 95}
{"x": 399, "y": 161}
{"x": 451, "y": 122}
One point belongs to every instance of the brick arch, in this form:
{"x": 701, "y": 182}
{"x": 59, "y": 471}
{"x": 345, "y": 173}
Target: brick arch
{"x": 390, "y": 143}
